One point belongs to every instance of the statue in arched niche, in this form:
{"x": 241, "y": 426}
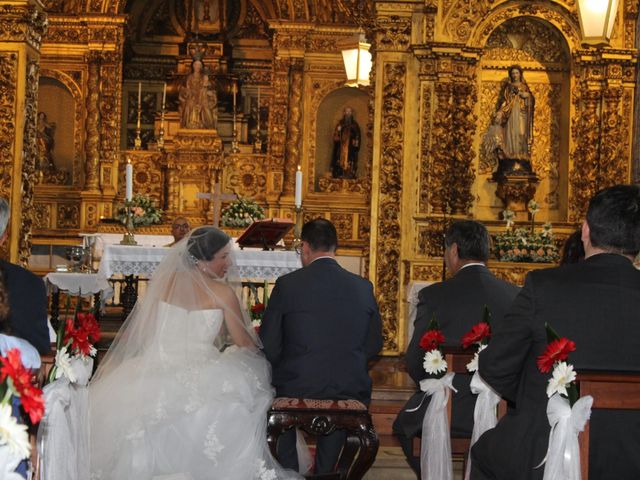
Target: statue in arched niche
{"x": 510, "y": 134}
{"x": 346, "y": 145}
{"x": 198, "y": 99}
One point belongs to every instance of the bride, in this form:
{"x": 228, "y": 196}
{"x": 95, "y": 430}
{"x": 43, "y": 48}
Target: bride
{"x": 182, "y": 393}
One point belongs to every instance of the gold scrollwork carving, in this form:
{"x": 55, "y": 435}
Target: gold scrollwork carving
{"x": 247, "y": 177}
{"x": 431, "y": 237}
{"x": 279, "y": 105}
{"x": 344, "y": 225}
{"x": 68, "y": 216}
{"x": 425, "y": 137}
{"x": 391, "y": 146}
{"x": 8, "y": 82}
{"x": 42, "y": 216}
{"x": 93, "y": 121}
{"x": 328, "y": 184}
{"x": 29, "y": 156}
{"x": 426, "y": 273}
{"x": 20, "y": 23}
{"x": 394, "y": 34}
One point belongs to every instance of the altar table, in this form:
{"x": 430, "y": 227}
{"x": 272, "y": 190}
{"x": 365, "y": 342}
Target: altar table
{"x": 138, "y": 261}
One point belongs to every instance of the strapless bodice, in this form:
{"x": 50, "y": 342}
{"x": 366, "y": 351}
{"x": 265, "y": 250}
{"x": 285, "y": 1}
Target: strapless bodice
{"x": 190, "y": 331}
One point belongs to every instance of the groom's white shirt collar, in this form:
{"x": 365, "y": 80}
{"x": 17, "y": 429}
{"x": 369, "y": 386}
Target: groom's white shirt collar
{"x": 324, "y": 256}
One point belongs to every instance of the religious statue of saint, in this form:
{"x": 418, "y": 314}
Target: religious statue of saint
{"x": 346, "y": 144}
{"x": 198, "y": 100}
{"x": 45, "y": 142}
{"x": 510, "y": 134}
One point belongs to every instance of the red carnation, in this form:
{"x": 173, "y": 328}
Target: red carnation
{"x": 431, "y": 339}
{"x": 257, "y": 309}
{"x": 90, "y": 325}
{"x": 556, "y": 351}
{"x": 477, "y": 334}
{"x": 12, "y": 367}
{"x": 32, "y": 402}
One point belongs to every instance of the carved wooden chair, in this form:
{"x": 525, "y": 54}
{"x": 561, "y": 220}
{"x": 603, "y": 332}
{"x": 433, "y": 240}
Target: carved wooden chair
{"x": 617, "y": 391}
{"x": 322, "y": 417}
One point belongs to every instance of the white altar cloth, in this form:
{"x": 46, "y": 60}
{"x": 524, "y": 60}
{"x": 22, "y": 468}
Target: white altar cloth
{"x": 141, "y": 260}
{"x": 74, "y": 283}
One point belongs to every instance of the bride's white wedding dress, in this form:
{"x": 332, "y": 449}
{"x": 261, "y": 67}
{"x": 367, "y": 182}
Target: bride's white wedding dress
{"x": 194, "y": 412}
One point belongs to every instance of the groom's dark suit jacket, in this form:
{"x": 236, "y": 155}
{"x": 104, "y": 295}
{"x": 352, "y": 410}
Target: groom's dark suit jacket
{"x": 320, "y": 328}
{"x": 28, "y": 305}
{"x": 595, "y": 303}
{"x": 457, "y": 304}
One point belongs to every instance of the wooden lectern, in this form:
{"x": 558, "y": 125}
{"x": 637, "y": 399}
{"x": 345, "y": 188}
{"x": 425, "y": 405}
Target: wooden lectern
{"x": 265, "y": 233}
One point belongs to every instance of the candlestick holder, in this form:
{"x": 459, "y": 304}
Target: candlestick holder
{"x": 234, "y": 144}
{"x": 137, "y": 143}
{"x": 160, "y": 139}
{"x": 297, "y": 229}
{"x": 128, "y": 238}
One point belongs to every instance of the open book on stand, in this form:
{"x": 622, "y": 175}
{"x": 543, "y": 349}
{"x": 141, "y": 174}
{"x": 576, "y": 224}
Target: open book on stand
{"x": 265, "y": 233}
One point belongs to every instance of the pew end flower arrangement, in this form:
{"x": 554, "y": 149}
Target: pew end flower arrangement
{"x": 525, "y": 244}
{"x": 484, "y": 414}
{"x": 143, "y": 209}
{"x": 75, "y": 340}
{"x": 257, "y": 307}
{"x": 241, "y": 213}
{"x": 435, "y": 451}
{"x": 16, "y": 388}
{"x": 568, "y": 413}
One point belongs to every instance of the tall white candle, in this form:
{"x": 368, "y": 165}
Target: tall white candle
{"x": 164, "y": 96}
{"x": 298, "y": 195}
{"x": 139, "y": 94}
{"x": 129, "y": 180}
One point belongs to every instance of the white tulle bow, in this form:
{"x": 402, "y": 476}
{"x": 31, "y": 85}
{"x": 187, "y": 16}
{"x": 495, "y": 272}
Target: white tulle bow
{"x": 484, "y": 414}
{"x": 563, "y": 454}
{"x": 435, "y": 452}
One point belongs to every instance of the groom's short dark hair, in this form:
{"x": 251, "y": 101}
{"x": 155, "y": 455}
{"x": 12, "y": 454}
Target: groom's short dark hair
{"x": 614, "y": 219}
{"x": 320, "y": 234}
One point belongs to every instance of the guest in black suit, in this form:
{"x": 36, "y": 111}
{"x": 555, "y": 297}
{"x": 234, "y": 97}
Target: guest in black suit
{"x": 595, "y": 303}
{"x": 457, "y": 304}
{"x": 320, "y": 328}
{"x": 27, "y": 296}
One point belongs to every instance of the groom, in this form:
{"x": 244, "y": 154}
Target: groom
{"x": 320, "y": 328}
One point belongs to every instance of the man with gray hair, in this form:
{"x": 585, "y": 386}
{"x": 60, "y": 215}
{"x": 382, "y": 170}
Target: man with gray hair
{"x": 27, "y": 296}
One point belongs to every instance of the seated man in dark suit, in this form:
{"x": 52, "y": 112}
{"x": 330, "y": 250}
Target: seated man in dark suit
{"x": 27, "y": 296}
{"x": 320, "y": 328}
{"x": 457, "y": 304}
{"x": 595, "y": 303}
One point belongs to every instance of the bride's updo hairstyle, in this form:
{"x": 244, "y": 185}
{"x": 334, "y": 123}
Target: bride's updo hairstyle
{"x": 204, "y": 243}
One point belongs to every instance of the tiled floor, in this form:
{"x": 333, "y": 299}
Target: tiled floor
{"x": 391, "y": 465}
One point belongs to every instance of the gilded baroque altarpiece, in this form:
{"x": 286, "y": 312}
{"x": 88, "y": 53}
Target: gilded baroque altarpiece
{"x": 437, "y": 71}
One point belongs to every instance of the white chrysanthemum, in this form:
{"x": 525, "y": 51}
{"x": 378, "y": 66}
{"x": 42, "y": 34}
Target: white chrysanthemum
{"x": 13, "y": 434}
{"x": 434, "y": 363}
{"x": 92, "y": 351}
{"x": 562, "y": 376}
{"x": 256, "y": 323}
{"x": 472, "y": 366}
{"x": 63, "y": 365}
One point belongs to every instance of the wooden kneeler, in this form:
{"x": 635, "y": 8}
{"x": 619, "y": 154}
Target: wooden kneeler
{"x": 322, "y": 417}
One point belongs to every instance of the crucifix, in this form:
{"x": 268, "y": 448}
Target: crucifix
{"x": 216, "y": 197}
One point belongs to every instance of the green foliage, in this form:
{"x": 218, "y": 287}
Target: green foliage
{"x": 241, "y": 213}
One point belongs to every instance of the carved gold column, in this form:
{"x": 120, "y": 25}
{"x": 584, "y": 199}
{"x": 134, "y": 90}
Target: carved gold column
{"x": 22, "y": 25}
{"x": 440, "y": 154}
{"x": 292, "y": 157}
{"x": 92, "y": 145}
{"x": 277, "y": 128}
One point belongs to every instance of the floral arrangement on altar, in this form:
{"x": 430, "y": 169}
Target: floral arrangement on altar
{"x": 143, "y": 209}
{"x": 257, "y": 308}
{"x": 16, "y": 387}
{"x": 241, "y": 213}
{"x": 525, "y": 244}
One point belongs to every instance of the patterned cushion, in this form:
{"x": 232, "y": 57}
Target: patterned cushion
{"x": 289, "y": 403}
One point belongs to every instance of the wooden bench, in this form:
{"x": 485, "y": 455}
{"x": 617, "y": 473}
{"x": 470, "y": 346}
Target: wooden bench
{"x": 322, "y": 417}
{"x": 610, "y": 390}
